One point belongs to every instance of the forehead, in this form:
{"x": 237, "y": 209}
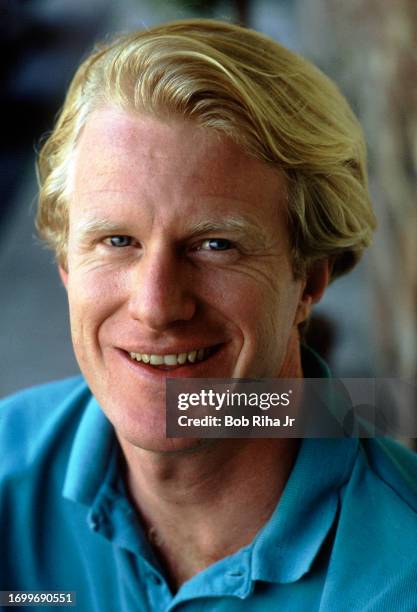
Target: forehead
{"x": 121, "y": 155}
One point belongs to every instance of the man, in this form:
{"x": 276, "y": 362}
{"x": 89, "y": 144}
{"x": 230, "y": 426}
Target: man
{"x": 201, "y": 188}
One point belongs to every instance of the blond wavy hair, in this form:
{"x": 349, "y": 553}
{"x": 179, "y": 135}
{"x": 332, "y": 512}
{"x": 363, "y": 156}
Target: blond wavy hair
{"x": 275, "y": 104}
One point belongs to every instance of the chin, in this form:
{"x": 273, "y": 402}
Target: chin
{"x": 170, "y": 446}
{"x": 154, "y": 440}
{"x": 144, "y": 426}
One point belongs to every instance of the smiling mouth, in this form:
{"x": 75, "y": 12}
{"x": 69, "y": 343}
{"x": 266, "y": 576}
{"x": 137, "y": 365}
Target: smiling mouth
{"x": 173, "y": 360}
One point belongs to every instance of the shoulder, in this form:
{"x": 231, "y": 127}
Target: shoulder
{"x": 374, "y": 554}
{"x": 57, "y": 389}
{"x": 35, "y": 419}
{"x": 37, "y": 406}
{"x": 379, "y": 502}
{"x": 394, "y": 465}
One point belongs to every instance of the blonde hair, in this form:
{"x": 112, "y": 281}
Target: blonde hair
{"x": 275, "y": 104}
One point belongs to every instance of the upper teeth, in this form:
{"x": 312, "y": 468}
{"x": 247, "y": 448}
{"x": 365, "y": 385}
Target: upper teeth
{"x": 171, "y": 359}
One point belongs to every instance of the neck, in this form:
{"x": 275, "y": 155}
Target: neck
{"x": 291, "y": 366}
{"x": 190, "y": 505}
{"x": 188, "y": 500}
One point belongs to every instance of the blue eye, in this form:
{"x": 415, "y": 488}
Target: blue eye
{"x": 216, "y": 244}
{"x": 120, "y": 241}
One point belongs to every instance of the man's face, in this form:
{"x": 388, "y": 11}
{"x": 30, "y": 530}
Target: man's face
{"x": 178, "y": 251}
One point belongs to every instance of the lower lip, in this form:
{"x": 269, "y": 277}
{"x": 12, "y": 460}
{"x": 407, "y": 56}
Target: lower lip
{"x": 189, "y": 370}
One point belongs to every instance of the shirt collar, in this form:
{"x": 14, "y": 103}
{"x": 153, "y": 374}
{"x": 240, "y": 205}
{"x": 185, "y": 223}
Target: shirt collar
{"x": 313, "y": 365}
{"x": 93, "y": 451}
{"x": 286, "y": 547}
{"x": 288, "y": 544}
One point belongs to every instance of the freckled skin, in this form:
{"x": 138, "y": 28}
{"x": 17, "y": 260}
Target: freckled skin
{"x": 156, "y": 183}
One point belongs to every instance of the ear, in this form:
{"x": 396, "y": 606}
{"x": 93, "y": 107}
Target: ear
{"x": 64, "y": 276}
{"x": 313, "y": 288}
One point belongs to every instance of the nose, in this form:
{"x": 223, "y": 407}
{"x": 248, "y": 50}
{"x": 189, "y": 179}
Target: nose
{"x": 160, "y": 291}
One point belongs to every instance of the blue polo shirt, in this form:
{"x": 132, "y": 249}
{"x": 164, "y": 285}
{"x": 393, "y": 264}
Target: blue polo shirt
{"x": 342, "y": 538}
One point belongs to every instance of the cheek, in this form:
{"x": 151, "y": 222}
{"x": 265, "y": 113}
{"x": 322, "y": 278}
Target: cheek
{"x": 93, "y": 296}
{"x": 258, "y": 308}
{"x": 267, "y": 321}
{"x": 262, "y": 305}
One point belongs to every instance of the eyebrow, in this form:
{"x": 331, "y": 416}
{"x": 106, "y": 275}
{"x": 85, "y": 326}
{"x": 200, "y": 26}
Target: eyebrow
{"x": 90, "y": 227}
{"x": 237, "y": 225}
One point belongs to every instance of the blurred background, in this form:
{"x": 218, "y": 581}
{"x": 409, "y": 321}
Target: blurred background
{"x": 366, "y": 324}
